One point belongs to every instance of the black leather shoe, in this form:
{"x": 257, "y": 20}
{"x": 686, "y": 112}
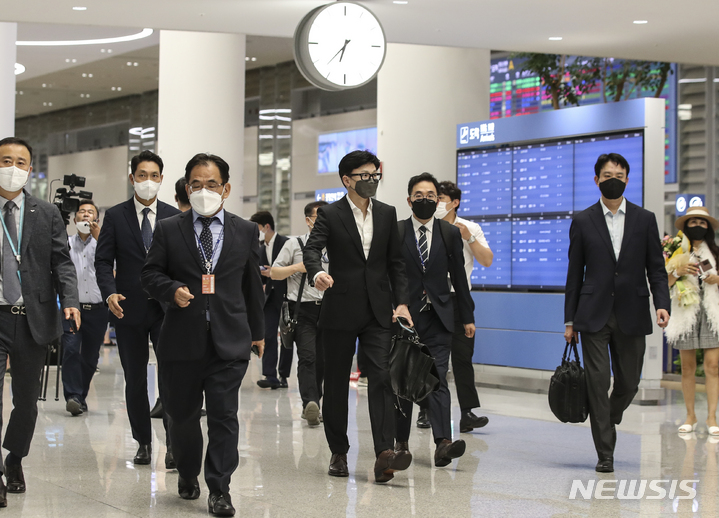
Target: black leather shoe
{"x": 388, "y": 462}
{"x": 74, "y": 406}
{"x": 469, "y": 422}
{"x": 338, "y": 465}
{"x": 220, "y": 504}
{"x": 188, "y": 489}
{"x": 15, "y": 478}
{"x": 157, "y": 412}
{"x": 605, "y": 466}
{"x": 84, "y": 406}
{"x": 422, "y": 419}
{"x": 3, "y": 493}
{"x": 268, "y": 383}
{"x": 143, "y": 455}
{"x": 448, "y": 450}
{"x": 283, "y": 382}
{"x": 170, "y": 460}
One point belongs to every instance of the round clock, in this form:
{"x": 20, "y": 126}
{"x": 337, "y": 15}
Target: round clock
{"x": 339, "y": 46}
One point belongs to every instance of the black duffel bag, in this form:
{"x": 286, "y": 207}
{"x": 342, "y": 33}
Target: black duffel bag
{"x": 568, "y": 388}
{"x": 411, "y": 366}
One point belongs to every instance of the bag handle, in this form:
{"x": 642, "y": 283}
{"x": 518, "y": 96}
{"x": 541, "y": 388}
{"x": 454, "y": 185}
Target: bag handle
{"x": 407, "y": 331}
{"x": 568, "y": 349}
{"x": 302, "y": 284}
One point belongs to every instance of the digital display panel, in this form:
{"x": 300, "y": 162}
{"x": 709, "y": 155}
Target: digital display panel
{"x": 485, "y": 178}
{"x": 333, "y": 146}
{"x": 329, "y": 195}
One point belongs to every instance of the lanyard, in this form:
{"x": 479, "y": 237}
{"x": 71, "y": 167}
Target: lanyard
{"x": 16, "y": 251}
{"x": 208, "y": 263}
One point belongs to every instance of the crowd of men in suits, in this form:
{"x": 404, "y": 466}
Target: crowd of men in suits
{"x": 206, "y": 288}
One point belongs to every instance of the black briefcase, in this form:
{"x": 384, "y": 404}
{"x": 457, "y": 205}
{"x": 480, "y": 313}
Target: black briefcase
{"x": 411, "y": 366}
{"x": 568, "y": 388}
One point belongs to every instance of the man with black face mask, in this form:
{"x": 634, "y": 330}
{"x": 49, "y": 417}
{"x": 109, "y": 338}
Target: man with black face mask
{"x": 366, "y": 278}
{"x": 614, "y": 246}
{"x": 432, "y": 248}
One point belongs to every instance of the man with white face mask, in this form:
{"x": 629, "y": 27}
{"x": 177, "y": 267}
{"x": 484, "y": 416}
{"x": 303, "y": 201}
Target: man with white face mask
{"x": 35, "y": 268}
{"x": 204, "y": 264}
{"x": 126, "y": 236}
{"x": 81, "y": 351}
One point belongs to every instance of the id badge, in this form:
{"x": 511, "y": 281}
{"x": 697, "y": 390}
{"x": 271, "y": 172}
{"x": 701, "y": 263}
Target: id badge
{"x": 208, "y": 284}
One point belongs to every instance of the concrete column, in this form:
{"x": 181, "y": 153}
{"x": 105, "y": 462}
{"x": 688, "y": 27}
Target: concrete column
{"x": 8, "y": 54}
{"x": 201, "y": 105}
{"x": 423, "y": 92}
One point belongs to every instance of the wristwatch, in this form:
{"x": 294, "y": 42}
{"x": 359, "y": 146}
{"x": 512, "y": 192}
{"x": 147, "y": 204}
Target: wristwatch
{"x": 471, "y": 240}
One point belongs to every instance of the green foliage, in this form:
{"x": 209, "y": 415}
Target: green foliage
{"x": 700, "y": 364}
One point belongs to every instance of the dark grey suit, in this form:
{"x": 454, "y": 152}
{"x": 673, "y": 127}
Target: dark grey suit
{"x": 46, "y": 272}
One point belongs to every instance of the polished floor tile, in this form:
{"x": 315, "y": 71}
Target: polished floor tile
{"x": 524, "y": 463}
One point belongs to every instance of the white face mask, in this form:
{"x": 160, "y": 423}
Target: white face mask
{"x": 442, "y": 210}
{"x": 83, "y": 227}
{"x": 205, "y": 202}
{"x": 148, "y": 189}
{"x": 262, "y": 235}
{"x": 13, "y": 178}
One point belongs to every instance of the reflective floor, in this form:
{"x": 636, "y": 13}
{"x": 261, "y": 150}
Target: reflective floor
{"x": 522, "y": 464}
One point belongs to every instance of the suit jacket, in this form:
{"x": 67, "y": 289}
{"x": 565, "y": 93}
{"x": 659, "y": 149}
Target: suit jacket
{"x": 120, "y": 247}
{"x": 236, "y": 307}
{"x": 275, "y": 291}
{"x": 598, "y": 283}
{"x": 434, "y": 278}
{"x": 46, "y": 269}
{"x": 380, "y": 280}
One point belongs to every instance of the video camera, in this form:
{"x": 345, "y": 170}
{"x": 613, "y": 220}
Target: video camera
{"x": 68, "y": 201}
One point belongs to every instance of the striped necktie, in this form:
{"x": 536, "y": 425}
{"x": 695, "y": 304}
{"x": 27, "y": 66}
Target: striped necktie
{"x": 424, "y": 256}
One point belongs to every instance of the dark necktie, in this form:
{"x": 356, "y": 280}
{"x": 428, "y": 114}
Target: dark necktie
{"x": 424, "y": 255}
{"x": 206, "y": 242}
{"x": 11, "y": 282}
{"x": 146, "y": 228}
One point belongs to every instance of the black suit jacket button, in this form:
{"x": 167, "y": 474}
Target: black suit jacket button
{"x": 616, "y": 274}
{"x": 612, "y": 294}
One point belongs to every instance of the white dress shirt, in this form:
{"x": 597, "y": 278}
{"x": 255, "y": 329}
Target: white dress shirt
{"x": 18, "y": 201}
{"x": 365, "y": 225}
{"x": 429, "y": 226}
{"x": 615, "y": 225}
{"x": 82, "y": 254}
{"x": 268, "y": 250}
{"x": 290, "y": 254}
{"x": 152, "y": 215}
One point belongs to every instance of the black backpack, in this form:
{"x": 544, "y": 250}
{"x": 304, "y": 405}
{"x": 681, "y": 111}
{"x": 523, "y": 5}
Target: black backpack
{"x": 568, "y": 396}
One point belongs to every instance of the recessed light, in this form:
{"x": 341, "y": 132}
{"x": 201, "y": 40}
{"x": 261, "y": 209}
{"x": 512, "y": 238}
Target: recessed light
{"x": 84, "y": 75}
{"x": 640, "y": 22}
{"x": 129, "y": 63}
{"x": 400, "y": 2}
{"x": 79, "y": 8}
{"x": 144, "y": 33}
{"x": 247, "y": 58}
{"x": 134, "y": 64}
{"x": 253, "y": 59}
{"x": 555, "y": 38}
{"x": 44, "y": 85}
{"x": 19, "y": 69}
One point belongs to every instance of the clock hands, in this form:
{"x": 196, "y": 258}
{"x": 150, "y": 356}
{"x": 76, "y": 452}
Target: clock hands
{"x": 340, "y": 52}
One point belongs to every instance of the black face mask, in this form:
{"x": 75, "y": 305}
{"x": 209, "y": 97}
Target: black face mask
{"x": 424, "y": 209}
{"x": 612, "y": 189}
{"x": 695, "y": 233}
{"x": 366, "y": 188}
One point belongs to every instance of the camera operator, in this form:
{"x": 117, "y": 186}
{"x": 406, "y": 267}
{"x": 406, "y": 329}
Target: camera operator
{"x": 81, "y": 350}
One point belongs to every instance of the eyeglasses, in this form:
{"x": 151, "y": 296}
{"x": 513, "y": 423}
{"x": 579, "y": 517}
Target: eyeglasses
{"x": 419, "y": 197}
{"x": 211, "y": 185}
{"x": 366, "y": 176}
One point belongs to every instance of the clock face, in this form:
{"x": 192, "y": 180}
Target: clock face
{"x": 339, "y": 46}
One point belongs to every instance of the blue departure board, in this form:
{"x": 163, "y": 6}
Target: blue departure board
{"x": 539, "y": 251}
{"x": 485, "y": 178}
{"x": 498, "y": 233}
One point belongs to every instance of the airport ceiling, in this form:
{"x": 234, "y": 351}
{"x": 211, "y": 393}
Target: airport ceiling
{"x": 683, "y": 32}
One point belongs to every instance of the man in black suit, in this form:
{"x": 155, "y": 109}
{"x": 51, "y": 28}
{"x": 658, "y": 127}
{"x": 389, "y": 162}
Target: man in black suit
{"x": 124, "y": 240}
{"x": 432, "y": 249}
{"x": 614, "y": 246}
{"x": 35, "y": 268}
{"x": 275, "y": 290}
{"x": 366, "y": 278}
{"x": 204, "y": 264}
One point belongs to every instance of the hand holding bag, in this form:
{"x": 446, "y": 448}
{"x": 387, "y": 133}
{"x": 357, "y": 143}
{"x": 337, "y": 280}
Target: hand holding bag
{"x": 288, "y": 324}
{"x": 411, "y": 366}
{"x": 568, "y": 396}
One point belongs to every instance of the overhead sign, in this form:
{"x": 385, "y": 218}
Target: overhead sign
{"x": 685, "y": 201}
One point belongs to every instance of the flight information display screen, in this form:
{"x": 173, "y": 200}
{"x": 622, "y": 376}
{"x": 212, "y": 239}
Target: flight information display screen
{"x": 524, "y": 196}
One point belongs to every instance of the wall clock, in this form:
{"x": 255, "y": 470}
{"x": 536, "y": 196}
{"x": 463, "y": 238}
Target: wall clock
{"x": 339, "y": 46}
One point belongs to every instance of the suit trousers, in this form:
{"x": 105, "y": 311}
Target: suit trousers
{"x": 81, "y": 351}
{"x": 439, "y": 342}
{"x": 270, "y": 366}
{"x": 134, "y": 356}
{"x": 462, "y": 364}
{"x": 627, "y": 357}
{"x": 310, "y": 357}
{"x": 219, "y": 380}
{"x": 339, "y": 349}
{"x": 27, "y": 359}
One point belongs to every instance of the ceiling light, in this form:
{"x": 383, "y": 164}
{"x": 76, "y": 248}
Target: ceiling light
{"x": 640, "y": 22}
{"x": 253, "y": 59}
{"x": 555, "y": 38}
{"x": 400, "y": 2}
{"x": 134, "y": 64}
{"x": 84, "y": 75}
{"x": 44, "y": 85}
{"x": 19, "y": 69}
{"x": 79, "y": 8}
{"x": 247, "y": 58}
{"x": 144, "y": 33}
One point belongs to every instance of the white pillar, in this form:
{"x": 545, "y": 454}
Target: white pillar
{"x": 201, "y": 105}
{"x": 423, "y": 92}
{"x": 8, "y": 55}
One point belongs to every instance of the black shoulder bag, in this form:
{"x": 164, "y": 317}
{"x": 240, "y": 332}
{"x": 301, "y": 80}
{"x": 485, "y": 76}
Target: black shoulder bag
{"x": 288, "y": 324}
{"x": 411, "y": 366}
{"x": 568, "y": 396}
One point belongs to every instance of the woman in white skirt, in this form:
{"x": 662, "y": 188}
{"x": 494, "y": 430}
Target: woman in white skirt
{"x": 695, "y": 311}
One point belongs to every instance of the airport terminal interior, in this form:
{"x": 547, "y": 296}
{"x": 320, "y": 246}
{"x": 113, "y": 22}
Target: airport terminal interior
{"x": 513, "y": 101}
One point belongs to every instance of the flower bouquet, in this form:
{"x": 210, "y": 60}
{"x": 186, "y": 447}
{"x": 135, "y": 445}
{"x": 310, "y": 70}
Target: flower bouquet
{"x": 676, "y": 255}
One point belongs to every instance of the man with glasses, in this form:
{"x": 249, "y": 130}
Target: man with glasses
{"x": 125, "y": 238}
{"x": 366, "y": 279}
{"x": 81, "y": 350}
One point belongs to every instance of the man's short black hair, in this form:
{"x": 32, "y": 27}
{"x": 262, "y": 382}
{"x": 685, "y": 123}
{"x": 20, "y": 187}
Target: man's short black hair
{"x": 614, "y": 158}
{"x": 89, "y": 202}
{"x": 312, "y": 206}
{"x": 181, "y": 192}
{"x": 146, "y": 156}
{"x": 355, "y": 160}
{"x": 205, "y": 159}
{"x": 450, "y": 189}
{"x": 18, "y": 141}
{"x": 424, "y": 177}
{"x": 263, "y": 218}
